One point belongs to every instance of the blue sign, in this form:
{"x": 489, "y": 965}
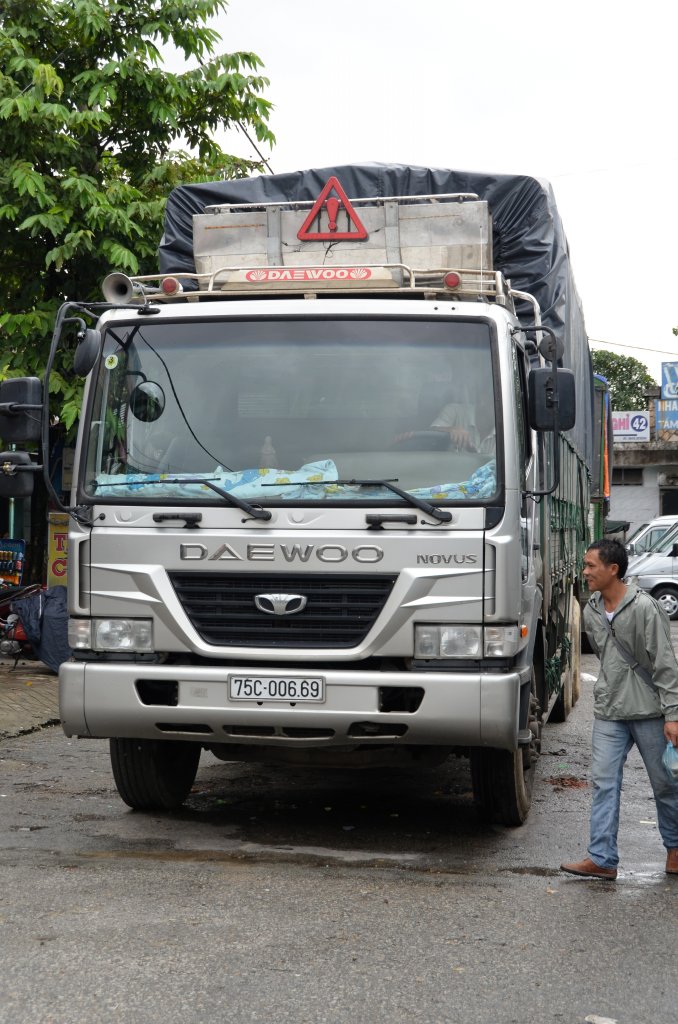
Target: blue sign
{"x": 666, "y": 414}
{"x": 669, "y": 382}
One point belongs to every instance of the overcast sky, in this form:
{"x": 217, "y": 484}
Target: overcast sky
{"x": 580, "y": 93}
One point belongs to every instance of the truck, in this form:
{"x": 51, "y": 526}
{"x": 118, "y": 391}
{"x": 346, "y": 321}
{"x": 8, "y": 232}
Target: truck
{"x": 332, "y": 482}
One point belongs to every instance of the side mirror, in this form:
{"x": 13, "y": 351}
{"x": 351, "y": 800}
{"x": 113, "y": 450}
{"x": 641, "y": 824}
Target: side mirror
{"x": 549, "y": 390}
{"x": 674, "y": 551}
{"x": 20, "y": 410}
{"x": 147, "y": 401}
{"x": 16, "y": 474}
{"x": 87, "y": 352}
{"x": 631, "y": 548}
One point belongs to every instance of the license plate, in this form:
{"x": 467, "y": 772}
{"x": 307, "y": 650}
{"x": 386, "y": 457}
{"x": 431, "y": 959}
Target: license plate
{"x": 288, "y": 688}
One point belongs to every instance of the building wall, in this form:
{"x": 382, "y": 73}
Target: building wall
{"x": 645, "y": 475}
{"x": 636, "y": 503}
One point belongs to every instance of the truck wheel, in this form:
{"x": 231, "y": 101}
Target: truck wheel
{"x": 575, "y": 634}
{"x": 667, "y": 598}
{"x": 154, "y": 774}
{"x": 570, "y": 684}
{"x": 503, "y": 780}
{"x": 563, "y": 702}
{"x": 502, "y": 784}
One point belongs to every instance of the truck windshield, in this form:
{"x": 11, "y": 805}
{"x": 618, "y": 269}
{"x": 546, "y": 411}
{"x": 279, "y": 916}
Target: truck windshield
{"x": 292, "y": 411}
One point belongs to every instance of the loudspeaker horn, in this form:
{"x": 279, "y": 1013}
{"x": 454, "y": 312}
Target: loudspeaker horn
{"x": 119, "y": 288}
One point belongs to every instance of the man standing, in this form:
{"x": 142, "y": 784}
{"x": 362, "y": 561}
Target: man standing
{"x": 628, "y": 707}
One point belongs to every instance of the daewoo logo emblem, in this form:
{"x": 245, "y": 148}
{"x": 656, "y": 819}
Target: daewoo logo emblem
{"x": 280, "y": 604}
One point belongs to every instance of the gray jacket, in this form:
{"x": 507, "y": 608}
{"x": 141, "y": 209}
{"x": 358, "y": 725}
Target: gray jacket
{"x": 642, "y": 626}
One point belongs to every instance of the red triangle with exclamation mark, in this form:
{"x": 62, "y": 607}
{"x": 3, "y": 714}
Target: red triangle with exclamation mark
{"x": 332, "y": 200}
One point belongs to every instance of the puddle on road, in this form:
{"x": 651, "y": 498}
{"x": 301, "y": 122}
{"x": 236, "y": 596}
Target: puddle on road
{"x": 317, "y": 856}
{"x": 255, "y": 852}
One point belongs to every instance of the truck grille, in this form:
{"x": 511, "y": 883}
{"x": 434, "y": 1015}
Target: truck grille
{"x": 339, "y": 612}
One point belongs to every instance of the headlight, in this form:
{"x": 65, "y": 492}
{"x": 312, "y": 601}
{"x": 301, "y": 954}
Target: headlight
{"x": 130, "y": 635}
{"x": 466, "y": 641}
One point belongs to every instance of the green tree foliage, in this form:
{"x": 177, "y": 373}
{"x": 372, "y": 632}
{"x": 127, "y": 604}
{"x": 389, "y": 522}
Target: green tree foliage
{"x": 89, "y": 122}
{"x": 628, "y": 378}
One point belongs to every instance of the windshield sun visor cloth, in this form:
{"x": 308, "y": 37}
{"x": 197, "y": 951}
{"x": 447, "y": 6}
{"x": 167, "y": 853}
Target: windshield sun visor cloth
{"x": 529, "y": 244}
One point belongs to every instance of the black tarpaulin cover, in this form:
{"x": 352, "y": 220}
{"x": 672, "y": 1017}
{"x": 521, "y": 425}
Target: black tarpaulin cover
{"x": 530, "y": 247}
{"x": 44, "y": 617}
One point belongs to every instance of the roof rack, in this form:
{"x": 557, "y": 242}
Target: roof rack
{"x": 239, "y": 281}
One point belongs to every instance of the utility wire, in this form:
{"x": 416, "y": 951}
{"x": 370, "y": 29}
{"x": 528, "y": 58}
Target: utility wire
{"x": 636, "y": 348}
{"x": 254, "y": 145}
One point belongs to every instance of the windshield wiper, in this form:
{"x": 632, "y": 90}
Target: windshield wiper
{"x": 443, "y": 515}
{"x": 255, "y": 511}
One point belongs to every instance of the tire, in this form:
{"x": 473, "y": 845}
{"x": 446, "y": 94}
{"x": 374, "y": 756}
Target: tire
{"x": 667, "y": 598}
{"x": 154, "y": 774}
{"x": 502, "y": 786}
{"x": 503, "y": 780}
{"x": 564, "y": 701}
{"x": 576, "y": 651}
{"x": 570, "y": 681}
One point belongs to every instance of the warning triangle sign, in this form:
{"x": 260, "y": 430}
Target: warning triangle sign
{"x": 330, "y": 204}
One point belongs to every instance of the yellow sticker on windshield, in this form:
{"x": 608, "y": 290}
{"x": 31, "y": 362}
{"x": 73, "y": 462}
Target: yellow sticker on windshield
{"x": 111, "y": 362}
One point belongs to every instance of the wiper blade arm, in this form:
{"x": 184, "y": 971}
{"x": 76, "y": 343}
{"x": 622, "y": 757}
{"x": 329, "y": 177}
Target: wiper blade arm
{"x": 255, "y": 511}
{"x": 443, "y": 515}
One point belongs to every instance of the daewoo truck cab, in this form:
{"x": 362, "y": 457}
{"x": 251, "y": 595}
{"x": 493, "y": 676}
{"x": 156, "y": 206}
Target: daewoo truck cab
{"x": 330, "y": 493}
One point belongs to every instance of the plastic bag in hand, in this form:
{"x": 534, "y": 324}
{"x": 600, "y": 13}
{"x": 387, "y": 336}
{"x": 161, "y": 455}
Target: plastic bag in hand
{"x": 670, "y": 761}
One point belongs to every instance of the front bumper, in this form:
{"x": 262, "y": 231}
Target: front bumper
{"x": 456, "y": 709}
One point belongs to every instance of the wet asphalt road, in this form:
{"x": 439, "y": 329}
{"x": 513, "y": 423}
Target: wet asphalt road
{"x": 279, "y": 895}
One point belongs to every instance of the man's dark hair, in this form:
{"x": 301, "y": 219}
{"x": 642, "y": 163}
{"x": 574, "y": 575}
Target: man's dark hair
{"x": 611, "y": 552}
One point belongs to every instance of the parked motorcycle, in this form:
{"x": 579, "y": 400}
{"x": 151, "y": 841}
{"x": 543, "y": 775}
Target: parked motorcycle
{"x": 14, "y": 642}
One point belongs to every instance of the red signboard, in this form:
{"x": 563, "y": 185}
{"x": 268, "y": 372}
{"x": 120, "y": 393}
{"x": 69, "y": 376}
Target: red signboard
{"x": 331, "y": 201}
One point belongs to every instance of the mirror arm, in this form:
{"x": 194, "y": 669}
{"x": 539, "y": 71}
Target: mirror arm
{"x": 44, "y": 442}
{"x": 551, "y": 349}
{"x": 11, "y": 468}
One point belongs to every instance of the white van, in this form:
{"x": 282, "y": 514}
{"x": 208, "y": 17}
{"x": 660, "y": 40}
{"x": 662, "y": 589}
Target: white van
{"x": 648, "y": 534}
{"x": 656, "y": 570}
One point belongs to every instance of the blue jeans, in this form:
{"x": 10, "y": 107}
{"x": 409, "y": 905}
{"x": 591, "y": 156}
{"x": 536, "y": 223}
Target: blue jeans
{"x": 611, "y": 744}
